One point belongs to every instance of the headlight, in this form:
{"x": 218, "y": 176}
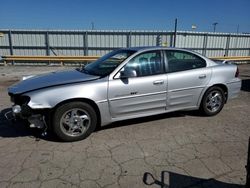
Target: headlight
{"x": 20, "y": 99}
{"x": 12, "y": 99}
{"x": 16, "y": 109}
{"x": 24, "y": 99}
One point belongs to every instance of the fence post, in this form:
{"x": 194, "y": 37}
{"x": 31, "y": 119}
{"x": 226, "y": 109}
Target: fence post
{"x": 204, "y": 50}
{"x": 11, "y": 45}
{"x": 10, "y": 42}
{"x": 47, "y": 43}
{"x": 175, "y": 32}
{"x": 159, "y": 40}
{"x": 129, "y": 40}
{"x": 85, "y": 43}
{"x": 227, "y": 45}
{"x": 171, "y": 39}
{"x": 236, "y": 44}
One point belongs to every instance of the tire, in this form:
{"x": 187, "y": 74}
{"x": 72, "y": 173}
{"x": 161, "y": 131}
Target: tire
{"x": 213, "y": 101}
{"x": 74, "y": 121}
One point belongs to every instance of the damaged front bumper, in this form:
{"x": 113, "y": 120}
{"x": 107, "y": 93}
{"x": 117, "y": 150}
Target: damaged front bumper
{"x": 35, "y": 120}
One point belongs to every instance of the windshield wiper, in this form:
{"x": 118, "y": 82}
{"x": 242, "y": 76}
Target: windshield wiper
{"x": 83, "y": 70}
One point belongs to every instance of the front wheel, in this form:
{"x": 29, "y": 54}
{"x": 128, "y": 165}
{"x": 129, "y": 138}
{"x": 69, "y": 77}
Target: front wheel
{"x": 74, "y": 121}
{"x": 213, "y": 101}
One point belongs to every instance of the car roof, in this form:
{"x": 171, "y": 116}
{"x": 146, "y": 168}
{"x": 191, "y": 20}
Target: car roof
{"x": 141, "y": 48}
{"x": 146, "y": 48}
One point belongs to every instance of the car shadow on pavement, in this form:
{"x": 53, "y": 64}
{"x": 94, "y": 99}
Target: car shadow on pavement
{"x": 174, "y": 180}
{"x": 10, "y": 129}
{"x": 146, "y": 119}
{"x": 245, "y": 85}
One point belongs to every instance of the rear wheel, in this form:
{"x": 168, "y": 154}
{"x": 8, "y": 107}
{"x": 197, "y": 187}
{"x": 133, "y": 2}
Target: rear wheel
{"x": 74, "y": 121}
{"x": 213, "y": 101}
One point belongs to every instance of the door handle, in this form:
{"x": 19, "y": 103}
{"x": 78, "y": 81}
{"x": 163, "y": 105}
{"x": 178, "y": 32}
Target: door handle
{"x": 158, "y": 82}
{"x": 202, "y": 76}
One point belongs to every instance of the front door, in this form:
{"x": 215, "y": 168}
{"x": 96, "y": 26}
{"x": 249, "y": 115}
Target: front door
{"x": 142, "y": 91}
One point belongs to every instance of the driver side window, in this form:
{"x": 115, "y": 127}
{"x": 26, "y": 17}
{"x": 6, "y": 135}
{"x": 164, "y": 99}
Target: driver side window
{"x": 145, "y": 64}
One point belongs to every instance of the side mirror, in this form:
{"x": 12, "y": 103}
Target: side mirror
{"x": 128, "y": 72}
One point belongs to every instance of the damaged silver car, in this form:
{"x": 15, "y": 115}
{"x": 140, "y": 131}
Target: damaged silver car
{"x": 124, "y": 84}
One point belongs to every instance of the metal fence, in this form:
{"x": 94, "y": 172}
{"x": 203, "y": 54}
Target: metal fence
{"x": 94, "y": 42}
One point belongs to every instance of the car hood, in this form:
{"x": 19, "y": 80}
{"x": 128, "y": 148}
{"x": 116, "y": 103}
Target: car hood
{"x": 51, "y": 79}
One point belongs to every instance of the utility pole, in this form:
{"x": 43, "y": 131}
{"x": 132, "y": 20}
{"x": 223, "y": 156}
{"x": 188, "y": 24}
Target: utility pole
{"x": 92, "y": 25}
{"x": 175, "y": 30}
{"x": 238, "y": 28}
{"x": 214, "y": 24}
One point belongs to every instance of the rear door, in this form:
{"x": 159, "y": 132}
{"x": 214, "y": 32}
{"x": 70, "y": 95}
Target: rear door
{"x": 188, "y": 75}
{"x": 144, "y": 92}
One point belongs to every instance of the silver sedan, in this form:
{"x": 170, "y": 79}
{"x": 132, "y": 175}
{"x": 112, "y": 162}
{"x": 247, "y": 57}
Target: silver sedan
{"x": 124, "y": 84}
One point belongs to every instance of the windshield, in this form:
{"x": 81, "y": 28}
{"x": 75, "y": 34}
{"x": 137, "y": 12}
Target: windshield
{"x": 106, "y": 64}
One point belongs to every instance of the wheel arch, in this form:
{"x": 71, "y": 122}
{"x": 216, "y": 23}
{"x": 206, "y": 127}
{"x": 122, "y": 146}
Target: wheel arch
{"x": 88, "y": 101}
{"x": 220, "y": 85}
{"x": 223, "y": 87}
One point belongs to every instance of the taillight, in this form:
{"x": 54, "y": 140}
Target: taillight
{"x": 237, "y": 73}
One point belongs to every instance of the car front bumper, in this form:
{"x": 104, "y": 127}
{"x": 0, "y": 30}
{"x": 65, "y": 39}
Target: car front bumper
{"x": 23, "y": 112}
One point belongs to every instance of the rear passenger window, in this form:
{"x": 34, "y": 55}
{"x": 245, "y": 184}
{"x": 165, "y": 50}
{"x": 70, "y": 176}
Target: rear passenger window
{"x": 181, "y": 61}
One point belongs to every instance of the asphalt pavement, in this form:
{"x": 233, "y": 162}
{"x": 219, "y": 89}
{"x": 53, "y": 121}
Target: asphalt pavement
{"x": 181, "y": 149}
